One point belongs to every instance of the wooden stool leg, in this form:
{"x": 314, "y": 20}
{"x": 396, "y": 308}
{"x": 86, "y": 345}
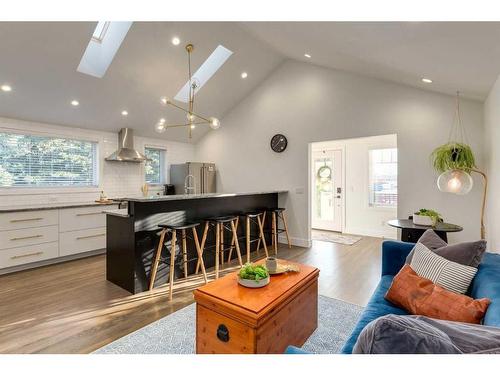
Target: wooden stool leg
{"x": 258, "y": 242}
{"x": 261, "y": 236}
{"x": 248, "y": 238}
{"x": 184, "y": 253}
{"x": 237, "y": 245}
{"x": 200, "y": 254}
{"x": 202, "y": 246}
{"x": 283, "y": 217}
{"x": 233, "y": 240}
{"x": 156, "y": 260}
{"x": 222, "y": 243}
{"x": 217, "y": 244}
{"x": 275, "y": 234}
{"x": 172, "y": 264}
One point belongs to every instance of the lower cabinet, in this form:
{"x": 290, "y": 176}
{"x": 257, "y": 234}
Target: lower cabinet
{"x": 38, "y": 235}
{"x": 80, "y": 241}
{"x": 28, "y": 254}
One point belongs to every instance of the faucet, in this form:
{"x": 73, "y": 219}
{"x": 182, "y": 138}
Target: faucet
{"x": 187, "y": 186}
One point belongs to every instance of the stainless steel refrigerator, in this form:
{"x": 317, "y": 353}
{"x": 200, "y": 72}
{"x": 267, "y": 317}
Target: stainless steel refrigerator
{"x": 203, "y": 180}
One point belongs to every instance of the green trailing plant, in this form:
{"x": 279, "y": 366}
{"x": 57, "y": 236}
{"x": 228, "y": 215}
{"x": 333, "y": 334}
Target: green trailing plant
{"x": 253, "y": 272}
{"x": 453, "y": 155}
{"x": 434, "y": 215}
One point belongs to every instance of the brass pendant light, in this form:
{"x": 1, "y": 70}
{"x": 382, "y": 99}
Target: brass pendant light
{"x": 193, "y": 118}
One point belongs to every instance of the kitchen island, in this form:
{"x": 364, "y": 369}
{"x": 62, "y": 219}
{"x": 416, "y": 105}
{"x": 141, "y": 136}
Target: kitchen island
{"x": 132, "y": 234}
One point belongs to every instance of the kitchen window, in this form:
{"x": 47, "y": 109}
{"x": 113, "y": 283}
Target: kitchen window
{"x": 155, "y": 166}
{"x": 28, "y": 160}
{"x": 383, "y": 178}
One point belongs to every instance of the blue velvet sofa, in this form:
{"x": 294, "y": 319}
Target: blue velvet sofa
{"x": 485, "y": 284}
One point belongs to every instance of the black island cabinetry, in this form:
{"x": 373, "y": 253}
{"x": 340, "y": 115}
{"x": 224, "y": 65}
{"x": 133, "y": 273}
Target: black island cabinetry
{"x": 132, "y": 234}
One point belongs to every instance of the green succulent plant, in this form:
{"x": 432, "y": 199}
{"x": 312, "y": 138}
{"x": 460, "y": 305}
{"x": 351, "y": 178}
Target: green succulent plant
{"x": 434, "y": 215}
{"x": 253, "y": 272}
{"x": 453, "y": 155}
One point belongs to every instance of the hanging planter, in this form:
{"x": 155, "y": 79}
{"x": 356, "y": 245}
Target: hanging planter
{"x": 453, "y": 155}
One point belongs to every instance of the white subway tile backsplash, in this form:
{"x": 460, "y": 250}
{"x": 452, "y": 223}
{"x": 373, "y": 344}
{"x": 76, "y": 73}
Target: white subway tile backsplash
{"x": 115, "y": 179}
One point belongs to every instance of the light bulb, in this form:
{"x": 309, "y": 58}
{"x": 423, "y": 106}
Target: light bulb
{"x": 164, "y": 100}
{"x": 454, "y": 184}
{"x": 193, "y": 126}
{"x": 191, "y": 117}
{"x": 214, "y": 123}
{"x": 75, "y": 103}
{"x": 6, "y": 88}
{"x": 162, "y": 121}
{"x": 160, "y": 127}
{"x": 175, "y": 41}
{"x": 124, "y": 113}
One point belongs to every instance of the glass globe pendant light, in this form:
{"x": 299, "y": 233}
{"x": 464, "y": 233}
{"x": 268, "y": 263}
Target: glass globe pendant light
{"x": 455, "y": 181}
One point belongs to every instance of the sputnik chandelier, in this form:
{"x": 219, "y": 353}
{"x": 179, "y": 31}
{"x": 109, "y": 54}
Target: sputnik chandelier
{"x": 193, "y": 119}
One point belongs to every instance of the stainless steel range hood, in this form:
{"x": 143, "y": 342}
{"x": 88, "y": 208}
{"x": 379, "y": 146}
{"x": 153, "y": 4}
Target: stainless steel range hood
{"x": 126, "y": 151}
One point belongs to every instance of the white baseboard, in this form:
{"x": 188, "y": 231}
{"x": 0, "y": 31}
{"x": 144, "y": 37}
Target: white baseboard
{"x": 296, "y": 241}
{"x": 388, "y": 233}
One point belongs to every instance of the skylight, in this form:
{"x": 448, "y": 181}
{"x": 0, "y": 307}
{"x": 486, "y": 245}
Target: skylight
{"x": 100, "y": 31}
{"x": 100, "y": 52}
{"x": 218, "y": 57}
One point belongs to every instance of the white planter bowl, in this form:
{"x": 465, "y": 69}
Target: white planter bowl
{"x": 254, "y": 284}
{"x": 423, "y": 220}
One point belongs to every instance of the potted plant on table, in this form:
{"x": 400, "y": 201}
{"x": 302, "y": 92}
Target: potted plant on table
{"x": 427, "y": 217}
{"x": 253, "y": 276}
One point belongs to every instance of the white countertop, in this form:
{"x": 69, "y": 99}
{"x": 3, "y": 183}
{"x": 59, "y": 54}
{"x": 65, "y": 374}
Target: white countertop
{"x": 51, "y": 206}
{"x": 160, "y": 198}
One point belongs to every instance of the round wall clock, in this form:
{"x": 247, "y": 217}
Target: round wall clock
{"x": 279, "y": 143}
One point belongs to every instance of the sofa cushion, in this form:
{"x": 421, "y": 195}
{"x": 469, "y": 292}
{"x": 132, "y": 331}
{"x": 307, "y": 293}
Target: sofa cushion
{"x": 486, "y": 284}
{"x": 466, "y": 253}
{"x": 377, "y": 307}
{"x": 411, "y": 334}
{"x": 445, "y": 273}
{"x": 421, "y": 296}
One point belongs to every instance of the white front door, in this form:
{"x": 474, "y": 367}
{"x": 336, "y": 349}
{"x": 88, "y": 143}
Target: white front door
{"x": 327, "y": 194}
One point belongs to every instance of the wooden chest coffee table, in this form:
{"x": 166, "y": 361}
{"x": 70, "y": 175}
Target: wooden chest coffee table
{"x": 233, "y": 319}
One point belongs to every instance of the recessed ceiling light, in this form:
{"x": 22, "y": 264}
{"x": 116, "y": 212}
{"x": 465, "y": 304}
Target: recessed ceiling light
{"x": 124, "y": 113}
{"x": 6, "y": 88}
{"x": 75, "y": 103}
{"x": 307, "y": 55}
{"x": 426, "y": 80}
{"x": 244, "y": 75}
{"x": 175, "y": 41}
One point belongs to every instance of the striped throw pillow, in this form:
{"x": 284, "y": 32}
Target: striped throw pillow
{"x": 441, "y": 271}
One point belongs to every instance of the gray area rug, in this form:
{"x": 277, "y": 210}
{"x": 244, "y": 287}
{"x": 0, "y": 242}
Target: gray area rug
{"x": 175, "y": 333}
{"x": 328, "y": 236}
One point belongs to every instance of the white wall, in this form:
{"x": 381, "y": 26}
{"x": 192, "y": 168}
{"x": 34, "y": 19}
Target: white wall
{"x": 309, "y": 104}
{"x": 116, "y": 179}
{"x": 492, "y": 136}
{"x": 359, "y": 217}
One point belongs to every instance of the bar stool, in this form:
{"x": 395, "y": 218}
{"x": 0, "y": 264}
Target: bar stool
{"x": 258, "y": 218}
{"x": 174, "y": 228}
{"x": 221, "y": 225}
{"x": 278, "y": 213}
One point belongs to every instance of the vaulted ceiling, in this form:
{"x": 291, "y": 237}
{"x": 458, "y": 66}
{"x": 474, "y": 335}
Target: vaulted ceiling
{"x": 39, "y": 61}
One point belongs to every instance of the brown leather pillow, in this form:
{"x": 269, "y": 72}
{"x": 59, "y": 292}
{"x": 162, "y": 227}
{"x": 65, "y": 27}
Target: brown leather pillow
{"x": 420, "y": 296}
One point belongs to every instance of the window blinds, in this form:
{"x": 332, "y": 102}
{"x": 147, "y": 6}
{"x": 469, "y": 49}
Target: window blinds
{"x": 41, "y": 161}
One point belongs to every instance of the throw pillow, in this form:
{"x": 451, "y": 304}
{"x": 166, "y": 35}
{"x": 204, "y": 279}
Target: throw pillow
{"x": 466, "y": 253}
{"x": 450, "y": 275}
{"x": 413, "y": 334}
{"x": 420, "y": 296}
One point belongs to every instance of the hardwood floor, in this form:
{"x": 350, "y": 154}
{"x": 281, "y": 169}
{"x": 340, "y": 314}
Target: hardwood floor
{"x": 71, "y": 308}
